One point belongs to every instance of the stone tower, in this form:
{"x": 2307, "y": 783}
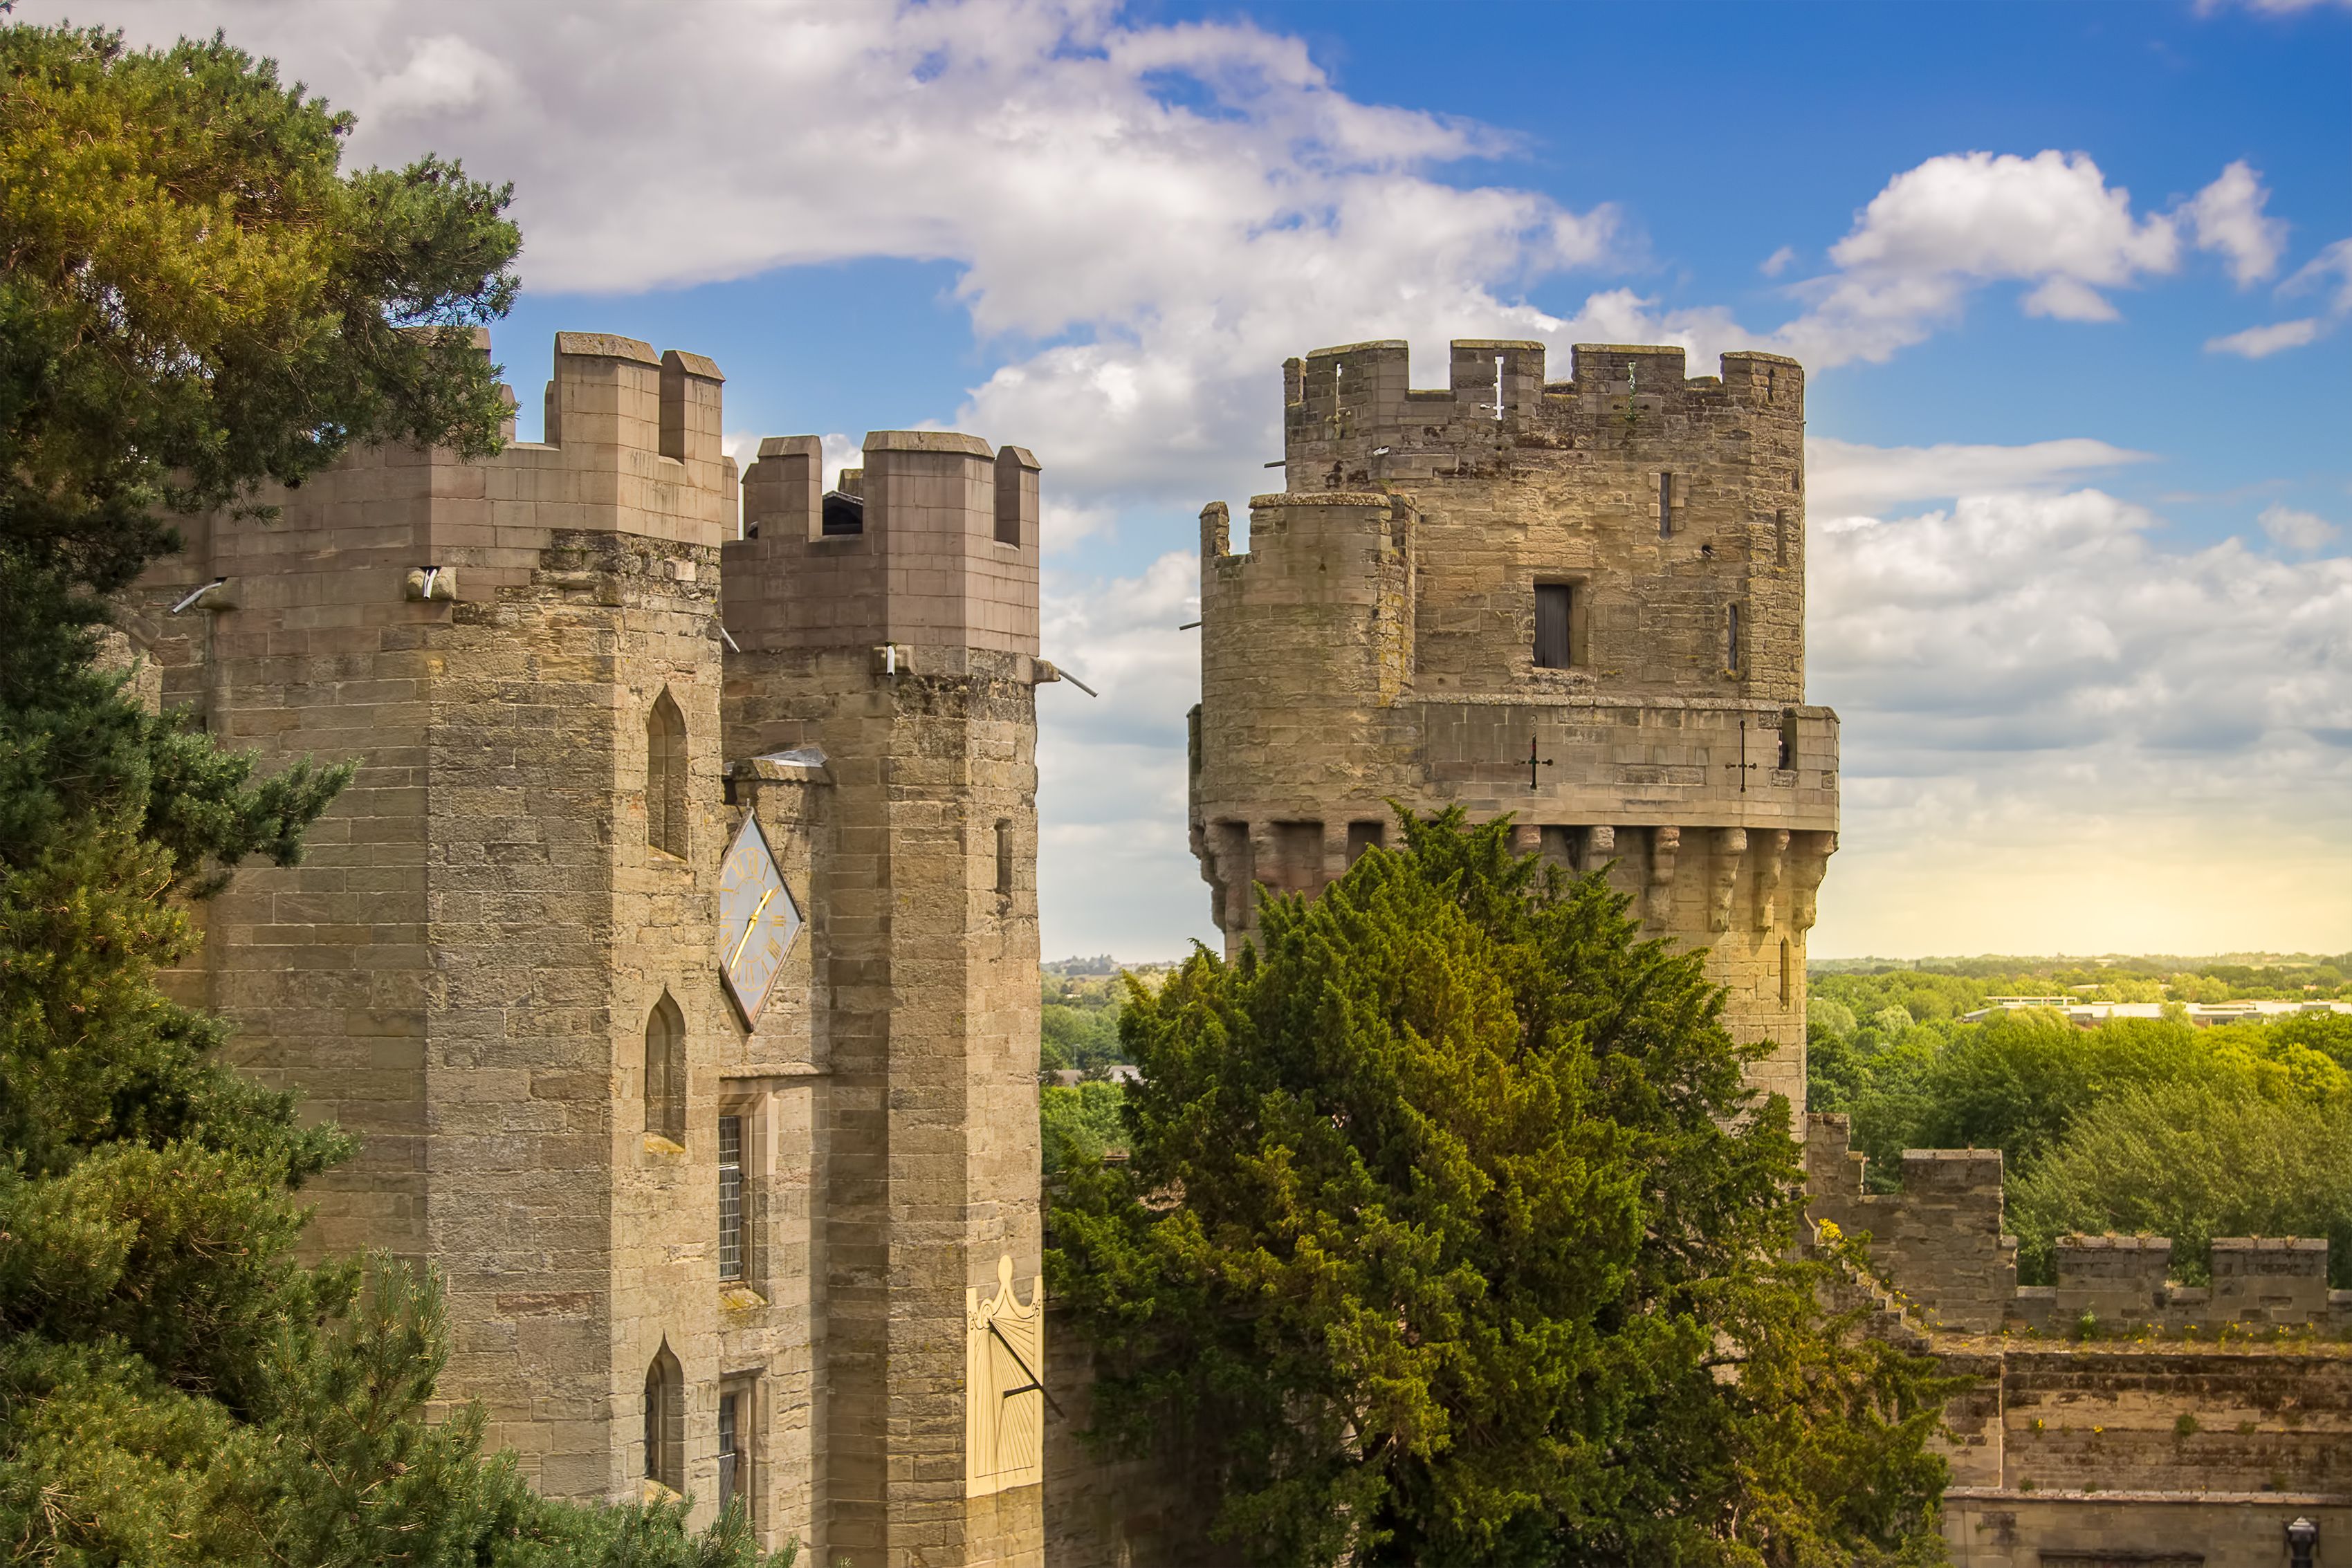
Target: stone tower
{"x": 461, "y": 969}
{"x": 1580, "y": 602}
{"x": 893, "y": 629}
{"x": 749, "y": 1241}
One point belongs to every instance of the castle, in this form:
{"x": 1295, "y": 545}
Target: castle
{"x": 675, "y": 951}
{"x": 1581, "y": 603}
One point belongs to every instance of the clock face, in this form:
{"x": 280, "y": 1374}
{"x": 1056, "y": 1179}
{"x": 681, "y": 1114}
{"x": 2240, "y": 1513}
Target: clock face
{"x": 756, "y": 920}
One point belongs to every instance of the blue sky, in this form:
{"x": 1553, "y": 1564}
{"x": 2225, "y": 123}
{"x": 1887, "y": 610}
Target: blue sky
{"x": 2062, "y": 274}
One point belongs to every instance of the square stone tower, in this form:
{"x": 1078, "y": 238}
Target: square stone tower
{"x": 1580, "y": 602}
{"x": 892, "y": 626}
{"x": 680, "y": 987}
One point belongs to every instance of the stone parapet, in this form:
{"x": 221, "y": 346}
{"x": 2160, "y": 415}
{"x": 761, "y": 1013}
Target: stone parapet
{"x": 937, "y": 549}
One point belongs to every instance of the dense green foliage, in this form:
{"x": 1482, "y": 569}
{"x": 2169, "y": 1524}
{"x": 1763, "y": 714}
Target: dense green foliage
{"x": 1078, "y": 1022}
{"x": 1082, "y": 1123}
{"x": 197, "y": 299}
{"x": 2192, "y": 1160}
{"x": 1450, "y": 1235}
{"x": 2137, "y": 1125}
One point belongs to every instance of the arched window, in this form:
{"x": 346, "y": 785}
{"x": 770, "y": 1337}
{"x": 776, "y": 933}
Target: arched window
{"x": 665, "y": 777}
{"x": 666, "y": 1420}
{"x": 665, "y": 1071}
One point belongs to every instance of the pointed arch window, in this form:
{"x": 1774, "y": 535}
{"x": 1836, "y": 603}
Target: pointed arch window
{"x": 665, "y": 1071}
{"x": 666, "y": 1420}
{"x": 665, "y": 777}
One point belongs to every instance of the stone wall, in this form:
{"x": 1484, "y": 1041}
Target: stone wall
{"x": 1939, "y": 1240}
{"x": 2117, "y": 1416}
{"x": 1377, "y": 641}
{"x": 2130, "y": 1528}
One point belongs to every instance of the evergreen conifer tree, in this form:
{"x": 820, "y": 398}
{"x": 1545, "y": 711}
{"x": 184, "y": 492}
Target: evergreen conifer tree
{"x": 1450, "y": 1236}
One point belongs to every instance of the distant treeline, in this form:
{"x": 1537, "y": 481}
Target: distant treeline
{"x": 2147, "y": 1126}
{"x": 2230, "y": 977}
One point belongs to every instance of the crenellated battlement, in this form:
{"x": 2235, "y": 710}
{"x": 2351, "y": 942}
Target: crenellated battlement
{"x": 1353, "y": 419}
{"x": 632, "y": 472}
{"x": 1939, "y": 1243}
{"x": 934, "y": 546}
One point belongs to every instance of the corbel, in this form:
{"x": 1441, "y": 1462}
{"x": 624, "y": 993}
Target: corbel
{"x": 1730, "y": 845}
{"x": 1665, "y": 845}
{"x": 1772, "y": 858}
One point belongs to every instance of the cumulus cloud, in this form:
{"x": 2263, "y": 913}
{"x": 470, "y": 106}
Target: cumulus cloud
{"x": 1116, "y": 873}
{"x": 1843, "y": 477}
{"x": 1959, "y": 222}
{"x": 1162, "y": 213}
{"x": 2085, "y": 740}
{"x": 2228, "y": 217}
{"x": 1145, "y": 219}
{"x": 2296, "y": 529}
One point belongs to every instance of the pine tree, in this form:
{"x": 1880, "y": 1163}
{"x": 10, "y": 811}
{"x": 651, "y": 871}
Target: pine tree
{"x": 1450, "y": 1235}
{"x": 197, "y": 297}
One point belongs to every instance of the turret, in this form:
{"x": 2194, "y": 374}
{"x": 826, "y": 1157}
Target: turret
{"x": 1580, "y": 602}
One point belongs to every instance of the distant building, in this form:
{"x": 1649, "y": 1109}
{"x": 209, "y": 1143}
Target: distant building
{"x": 2084, "y": 1015}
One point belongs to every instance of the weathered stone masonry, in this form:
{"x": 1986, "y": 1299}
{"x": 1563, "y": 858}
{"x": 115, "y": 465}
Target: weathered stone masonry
{"x": 508, "y": 930}
{"x": 1381, "y": 640}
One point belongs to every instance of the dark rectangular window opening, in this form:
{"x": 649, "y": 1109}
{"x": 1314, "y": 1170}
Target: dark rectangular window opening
{"x": 1666, "y": 505}
{"x": 1362, "y": 836}
{"x": 1004, "y": 857}
{"x": 1554, "y": 600}
{"x": 1780, "y": 536}
{"x": 730, "y": 1198}
{"x": 730, "y": 1436}
{"x": 1731, "y": 638}
{"x": 842, "y": 517}
{"x": 737, "y": 1478}
{"x": 1788, "y": 739}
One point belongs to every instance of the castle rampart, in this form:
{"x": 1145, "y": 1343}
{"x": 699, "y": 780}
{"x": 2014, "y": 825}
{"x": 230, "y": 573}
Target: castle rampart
{"x": 699, "y": 1235}
{"x": 1579, "y": 603}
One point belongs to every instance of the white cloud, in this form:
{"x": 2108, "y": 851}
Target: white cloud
{"x": 1778, "y": 262}
{"x": 2227, "y": 218}
{"x": 1843, "y": 476}
{"x": 2296, "y": 529}
{"x": 2331, "y": 267}
{"x": 2083, "y": 741}
{"x": 446, "y": 76}
{"x": 2270, "y": 8}
{"x": 1169, "y": 211}
{"x": 2021, "y": 673}
{"x": 1963, "y": 220}
{"x": 2328, "y": 273}
{"x": 2261, "y": 342}
{"x": 1115, "y": 873}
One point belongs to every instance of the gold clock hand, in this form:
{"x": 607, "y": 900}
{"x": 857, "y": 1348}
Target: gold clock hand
{"x": 749, "y": 926}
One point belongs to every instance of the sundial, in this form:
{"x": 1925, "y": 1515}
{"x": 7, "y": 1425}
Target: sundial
{"x": 756, "y": 920}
